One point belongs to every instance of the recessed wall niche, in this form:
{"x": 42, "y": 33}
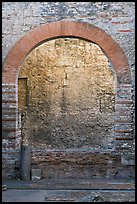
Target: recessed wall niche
{"x": 70, "y": 94}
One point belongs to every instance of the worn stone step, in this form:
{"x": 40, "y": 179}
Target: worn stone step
{"x": 69, "y": 184}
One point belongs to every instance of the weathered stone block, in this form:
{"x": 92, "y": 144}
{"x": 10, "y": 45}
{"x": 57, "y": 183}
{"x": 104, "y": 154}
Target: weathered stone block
{"x": 35, "y": 174}
{"x": 128, "y": 160}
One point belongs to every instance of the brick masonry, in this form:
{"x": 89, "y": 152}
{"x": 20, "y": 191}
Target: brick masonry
{"x": 81, "y": 164}
{"x": 108, "y": 24}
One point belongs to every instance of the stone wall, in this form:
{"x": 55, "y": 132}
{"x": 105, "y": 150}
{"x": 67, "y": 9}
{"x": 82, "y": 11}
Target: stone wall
{"x": 71, "y": 96}
{"x": 81, "y": 164}
{"x": 116, "y": 18}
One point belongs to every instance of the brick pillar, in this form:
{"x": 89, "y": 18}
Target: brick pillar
{"x": 10, "y": 130}
{"x": 124, "y": 119}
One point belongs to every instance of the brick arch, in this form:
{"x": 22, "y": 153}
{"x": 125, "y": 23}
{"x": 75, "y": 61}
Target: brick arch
{"x": 11, "y": 120}
{"x": 70, "y": 29}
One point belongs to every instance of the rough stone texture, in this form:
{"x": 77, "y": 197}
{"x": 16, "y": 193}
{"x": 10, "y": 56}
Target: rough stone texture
{"x": 82, "y": 163}
{"x": 116, "y": 18}
{"x": 35, "y": 174}
{"x": 70, "y": 96}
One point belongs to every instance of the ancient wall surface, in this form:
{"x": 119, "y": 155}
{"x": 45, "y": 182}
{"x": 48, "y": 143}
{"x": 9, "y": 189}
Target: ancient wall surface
{"x": 118, "y": 20}
{"x": 71, "y": 96}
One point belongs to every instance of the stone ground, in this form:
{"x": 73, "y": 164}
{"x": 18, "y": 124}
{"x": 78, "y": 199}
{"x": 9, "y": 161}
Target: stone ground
{"x": 69, "y": 190}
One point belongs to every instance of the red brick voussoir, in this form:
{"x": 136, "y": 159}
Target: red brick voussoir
{"x": 48, "y": 31}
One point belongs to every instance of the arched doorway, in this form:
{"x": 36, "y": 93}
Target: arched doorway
{"x": 39, "y": 35}
{"x": 66, "y": 95}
